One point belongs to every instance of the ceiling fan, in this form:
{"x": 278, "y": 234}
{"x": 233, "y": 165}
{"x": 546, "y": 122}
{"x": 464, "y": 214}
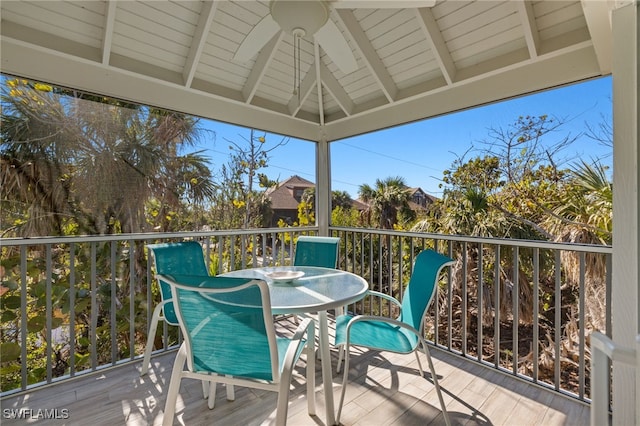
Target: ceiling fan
{"x": 310, "y": 18}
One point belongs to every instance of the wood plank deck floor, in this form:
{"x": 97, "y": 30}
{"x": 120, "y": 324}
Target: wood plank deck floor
{"x": 384, "y": 389}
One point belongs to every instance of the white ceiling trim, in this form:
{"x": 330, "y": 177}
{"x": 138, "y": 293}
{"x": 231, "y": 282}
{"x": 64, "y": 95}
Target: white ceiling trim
{"x": 552, "y": 70}
{"x": 346, "y": 104}
{"x": 25, "y": 60}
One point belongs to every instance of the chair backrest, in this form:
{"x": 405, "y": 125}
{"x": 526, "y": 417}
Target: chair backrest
{"x": 227, "y": 325}
{"x": 182, "y": 258}
{"x": 316, "y": 251}
{"x": 422, "y": 287}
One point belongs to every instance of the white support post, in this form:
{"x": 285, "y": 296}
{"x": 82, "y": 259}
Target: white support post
{"x": 625, "y": 302}
{"x": 323, "y": 186}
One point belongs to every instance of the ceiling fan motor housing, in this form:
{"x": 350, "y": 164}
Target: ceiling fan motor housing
{"x": 300, "y": 18}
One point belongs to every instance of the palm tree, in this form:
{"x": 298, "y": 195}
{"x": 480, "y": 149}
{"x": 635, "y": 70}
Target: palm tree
{"x": 584, "y": 215}
{"x": 387, "y": 199}
{"x": 67, "y": 159}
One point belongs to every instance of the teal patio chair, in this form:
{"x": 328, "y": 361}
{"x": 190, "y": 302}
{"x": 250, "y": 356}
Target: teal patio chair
{"x": 171, "y": 258}
{"x": 229, "y": 337}
{"x": 403, "y": 334}
{"x": 316, "y": 251}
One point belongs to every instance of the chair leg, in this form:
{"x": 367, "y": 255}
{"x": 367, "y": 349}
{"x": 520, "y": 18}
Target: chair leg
{"x": 282, "y": 406}
{"x": 435, "y": 383}
{"x": 340, "y": 357}
{"x": 211, "y": 396}
{"x": 155, "y": 318}
{"x": 231, "y": 393}
{"x": 311, "y": 370}
{"x": 338, "y": 312}
{"x": 345, "y": 379}
{"x": 419, "y": 363}
{"x": 174, "y": 386}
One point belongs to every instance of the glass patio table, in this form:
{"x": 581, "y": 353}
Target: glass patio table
{"x": 317, "y": 291}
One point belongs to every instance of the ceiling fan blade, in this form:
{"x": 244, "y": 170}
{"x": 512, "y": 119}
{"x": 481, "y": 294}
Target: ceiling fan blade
{"x": 335, "y": 45}
{"x": 381, "y": 4}
{"x": 256, "y": 39}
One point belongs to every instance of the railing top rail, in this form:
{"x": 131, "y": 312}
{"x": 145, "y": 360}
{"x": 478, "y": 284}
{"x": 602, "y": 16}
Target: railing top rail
{"x": 28, "y": 241}
{"x": 591, "y": 248}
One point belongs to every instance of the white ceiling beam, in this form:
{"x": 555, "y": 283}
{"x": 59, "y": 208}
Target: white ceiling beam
{"x": 25, "y": 60}
{"x": 260, "y": 66}
{"x": 436, "y": 42}
{"x": 336, "y": 90}
{"x": 109, "y": 22}
{"x": 306, "y": 87}
{"x": 552, "y": 70}
{"x": 316, "y": 64}
{"x": 369, "y": 54}
{"x": 199, "y": 39}
{"x": 30, "y": 36}
{"x": 598, "y": 17}
{"x": 529, "y": 27}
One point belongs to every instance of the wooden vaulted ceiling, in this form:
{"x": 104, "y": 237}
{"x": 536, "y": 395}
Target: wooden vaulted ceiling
{"x": 414, "y": 61}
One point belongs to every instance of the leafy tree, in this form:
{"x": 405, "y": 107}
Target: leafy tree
{"x": 70, "y": 161}
{"x": 307, "y": 208}
{"x": 523, "y": 186}
{"x": 241, "y": 179}
{"x": 70, "y": 164}
{"x": 387, "y": 199}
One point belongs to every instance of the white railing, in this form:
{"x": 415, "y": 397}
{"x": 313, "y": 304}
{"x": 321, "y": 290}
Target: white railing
{"x": 74, "y": 305}
{"x": 508, "y": 309}
{"x": 81, "y": 304}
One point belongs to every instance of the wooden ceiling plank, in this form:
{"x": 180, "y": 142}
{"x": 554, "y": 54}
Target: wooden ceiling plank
{"x": 199, "y": 39}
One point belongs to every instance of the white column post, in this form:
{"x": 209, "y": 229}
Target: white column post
{"x": 323, "y": 186}
{"x": 626, "y": 229}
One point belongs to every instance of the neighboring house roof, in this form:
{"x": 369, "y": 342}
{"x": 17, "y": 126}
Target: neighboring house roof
{"x": 420, "y": 199}
{"x": 359, "y": 205}
{"x": 287, "y": 194}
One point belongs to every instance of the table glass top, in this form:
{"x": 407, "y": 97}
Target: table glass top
{"x": 318, "y": 289}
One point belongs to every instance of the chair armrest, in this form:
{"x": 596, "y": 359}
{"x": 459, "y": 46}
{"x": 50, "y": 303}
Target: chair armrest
{"x": 306, "y": 326}
{"x": 383, "y": 296}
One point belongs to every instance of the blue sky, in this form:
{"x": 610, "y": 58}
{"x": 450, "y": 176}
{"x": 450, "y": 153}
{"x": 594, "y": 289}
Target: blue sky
{"x": 419, "y": 152}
